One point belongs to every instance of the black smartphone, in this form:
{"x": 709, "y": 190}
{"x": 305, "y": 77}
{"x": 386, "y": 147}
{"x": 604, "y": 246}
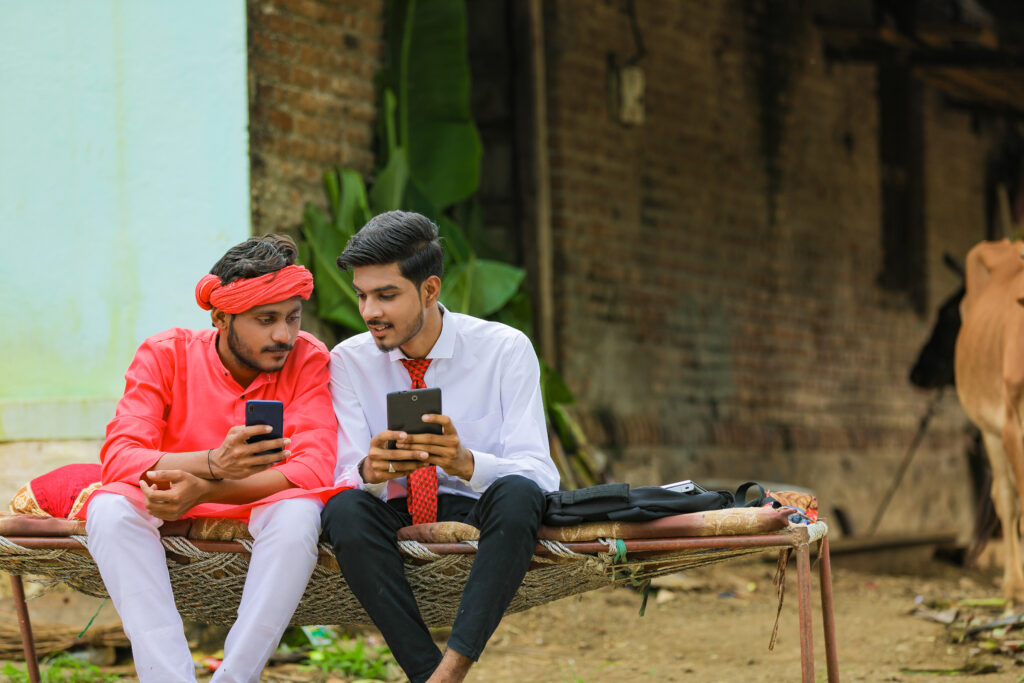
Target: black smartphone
{"x": 406, "y": 408}
{"x": 265, "y": 413}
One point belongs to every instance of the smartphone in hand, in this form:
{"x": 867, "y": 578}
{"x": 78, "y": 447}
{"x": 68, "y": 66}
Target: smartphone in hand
{"x": 265, "y": 413}
{"x": 406, "y": 408}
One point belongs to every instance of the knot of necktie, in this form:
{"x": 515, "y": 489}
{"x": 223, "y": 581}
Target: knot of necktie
{"x": 417, "y": 368}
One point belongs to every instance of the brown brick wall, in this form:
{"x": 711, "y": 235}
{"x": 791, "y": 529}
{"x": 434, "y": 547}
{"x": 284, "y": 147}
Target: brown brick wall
{"x": 717, "y": 325}
{"x": 312, "y": 103}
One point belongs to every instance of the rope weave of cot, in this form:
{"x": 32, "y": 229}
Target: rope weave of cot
{"x": 208, "y": 585}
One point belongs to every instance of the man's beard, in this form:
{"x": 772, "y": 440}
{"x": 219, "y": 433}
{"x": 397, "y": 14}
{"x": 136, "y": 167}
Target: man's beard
{"x": 244, "y": 355}
{"x": 415, "y": 328}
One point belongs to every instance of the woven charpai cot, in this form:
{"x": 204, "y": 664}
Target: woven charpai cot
{"x": 208, "y": 575}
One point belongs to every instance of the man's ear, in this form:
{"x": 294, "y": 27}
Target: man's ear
{"x": 430, "y": 290}
{"x": 219, "y": 319}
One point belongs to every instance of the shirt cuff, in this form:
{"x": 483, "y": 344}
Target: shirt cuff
{"x": 351, "y": 476}
{"x": 376, "y": 490}
{"x": 485, "y": 470}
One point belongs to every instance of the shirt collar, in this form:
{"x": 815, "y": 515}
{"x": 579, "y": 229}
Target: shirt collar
{"x": 444, "y": 347}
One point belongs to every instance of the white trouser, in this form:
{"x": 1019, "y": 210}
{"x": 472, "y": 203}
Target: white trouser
{"x": 125, "y": 544}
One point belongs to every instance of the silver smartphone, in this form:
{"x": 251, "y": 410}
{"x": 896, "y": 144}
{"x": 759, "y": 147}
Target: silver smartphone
{"x": 685, "y": 486}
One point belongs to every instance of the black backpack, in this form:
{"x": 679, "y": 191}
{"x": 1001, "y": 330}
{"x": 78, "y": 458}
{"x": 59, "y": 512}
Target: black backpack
{"x": 619, "y": 503}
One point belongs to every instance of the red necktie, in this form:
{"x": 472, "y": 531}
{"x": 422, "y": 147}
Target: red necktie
{"x": 422, "y": 484}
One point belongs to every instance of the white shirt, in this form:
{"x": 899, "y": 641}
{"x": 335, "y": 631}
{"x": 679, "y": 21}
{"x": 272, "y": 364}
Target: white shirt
{"x": 490, "y": 388}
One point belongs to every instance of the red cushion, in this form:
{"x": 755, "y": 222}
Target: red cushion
{"x": 55, "y": 492}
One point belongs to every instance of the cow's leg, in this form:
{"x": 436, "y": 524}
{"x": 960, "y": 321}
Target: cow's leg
{"x": 1001, "y": 451}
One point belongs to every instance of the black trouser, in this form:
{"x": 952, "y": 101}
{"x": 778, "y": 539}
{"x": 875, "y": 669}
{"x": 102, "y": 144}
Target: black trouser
{"x": 362, "y": 529}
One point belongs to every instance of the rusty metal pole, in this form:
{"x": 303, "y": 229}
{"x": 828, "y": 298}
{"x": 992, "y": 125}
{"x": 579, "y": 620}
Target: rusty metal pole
{"x": 27, "y": 642}
{"x": 828, "y": 616}
{"x": 803, "y": 590}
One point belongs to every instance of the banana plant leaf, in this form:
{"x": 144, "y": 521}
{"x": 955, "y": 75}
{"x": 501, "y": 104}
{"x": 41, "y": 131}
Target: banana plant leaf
{"x": 429, "y": 74}
{"x": 336, "y": 301}
{"x": 553, "y": 387}
{"x": 326, "y": 238}
{"x": 349, "y": 206}
{"x": 480, "y": 287}
{"x": 518, "y": 313}
{"x": 388, "y": 191}
{"x": 456, "y": 246}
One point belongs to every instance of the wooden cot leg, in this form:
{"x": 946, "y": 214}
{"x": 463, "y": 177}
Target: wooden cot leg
{"x": 803, "y": 585}
{"x": 27, "y": 642}
{"x": 827, "y": 613}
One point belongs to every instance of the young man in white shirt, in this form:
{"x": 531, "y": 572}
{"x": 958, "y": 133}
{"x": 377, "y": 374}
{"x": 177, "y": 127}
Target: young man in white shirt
{"x": 491, "y": 463}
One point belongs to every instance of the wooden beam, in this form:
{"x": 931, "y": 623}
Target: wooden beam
{"x": 534, "y": 169}
{"x": 924, "y": 57}
{"x": 998, "y": 89}
{"x": 948, "y": 35}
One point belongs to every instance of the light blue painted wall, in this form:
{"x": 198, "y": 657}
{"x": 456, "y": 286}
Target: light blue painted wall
{"x": 124, "y": 175}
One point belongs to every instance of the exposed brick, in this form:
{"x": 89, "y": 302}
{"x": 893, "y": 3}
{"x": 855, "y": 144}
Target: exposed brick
{"x": 313, "y": 105}
{"x": 703, "y": 338}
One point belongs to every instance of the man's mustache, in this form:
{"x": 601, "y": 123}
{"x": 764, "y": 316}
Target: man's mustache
{"x": 277, "y": 347}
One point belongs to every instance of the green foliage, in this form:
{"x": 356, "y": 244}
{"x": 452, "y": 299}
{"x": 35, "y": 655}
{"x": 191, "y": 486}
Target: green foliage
{"x": 61, "y": 668}
{"x": 352, "y": 657}
{"x": 428, "y": 70}
{"x": 326, "y": 237}
{"x": 480, "y": 287}
{"x": 429, "y": 160}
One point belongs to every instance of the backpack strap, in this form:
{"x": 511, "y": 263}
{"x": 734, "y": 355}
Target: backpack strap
{"x": 741, "y": 496}
{"x": 601, "y": 492}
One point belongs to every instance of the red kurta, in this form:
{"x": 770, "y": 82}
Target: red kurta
{"x": 179, "y": 398}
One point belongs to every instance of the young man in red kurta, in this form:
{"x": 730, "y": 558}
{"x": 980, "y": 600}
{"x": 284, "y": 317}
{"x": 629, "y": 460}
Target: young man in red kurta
{"x": 177, "y": 447}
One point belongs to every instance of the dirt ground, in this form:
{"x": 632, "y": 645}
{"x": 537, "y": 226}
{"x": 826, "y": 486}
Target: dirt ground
{"x": 714, "y": 625}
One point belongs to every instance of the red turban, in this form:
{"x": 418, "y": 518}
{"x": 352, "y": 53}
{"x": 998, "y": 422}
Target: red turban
{"x": 245, "y": 293}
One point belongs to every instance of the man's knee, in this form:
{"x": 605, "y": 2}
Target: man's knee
{"x": 519, "y": 488}
{"x": 297, "y": 519}
{"x": 519, "y": 494}
{"x": 343, "y": 516}
{"x": 110, "y": 510}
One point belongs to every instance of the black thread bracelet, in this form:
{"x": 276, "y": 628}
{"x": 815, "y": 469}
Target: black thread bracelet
{"x": 209, "y": 466}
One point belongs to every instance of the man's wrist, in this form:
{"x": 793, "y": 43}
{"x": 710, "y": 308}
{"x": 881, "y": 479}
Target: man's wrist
{"x": 470, "y": 468}
{"x": 209, "y": 465}
{"x": 207, "y": 490}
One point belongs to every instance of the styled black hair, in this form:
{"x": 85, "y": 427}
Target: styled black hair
{"x": 402, "y": 237}
{"x": 254, "y": 257}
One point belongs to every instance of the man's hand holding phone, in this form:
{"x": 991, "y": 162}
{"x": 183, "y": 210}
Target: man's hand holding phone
{"x": 238, "y": 459}
{"x": 444, "y": 450}
{"x": 418, "y": 434}
{"x": 383, "y": 463}
{"x": 413, "y": 451}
